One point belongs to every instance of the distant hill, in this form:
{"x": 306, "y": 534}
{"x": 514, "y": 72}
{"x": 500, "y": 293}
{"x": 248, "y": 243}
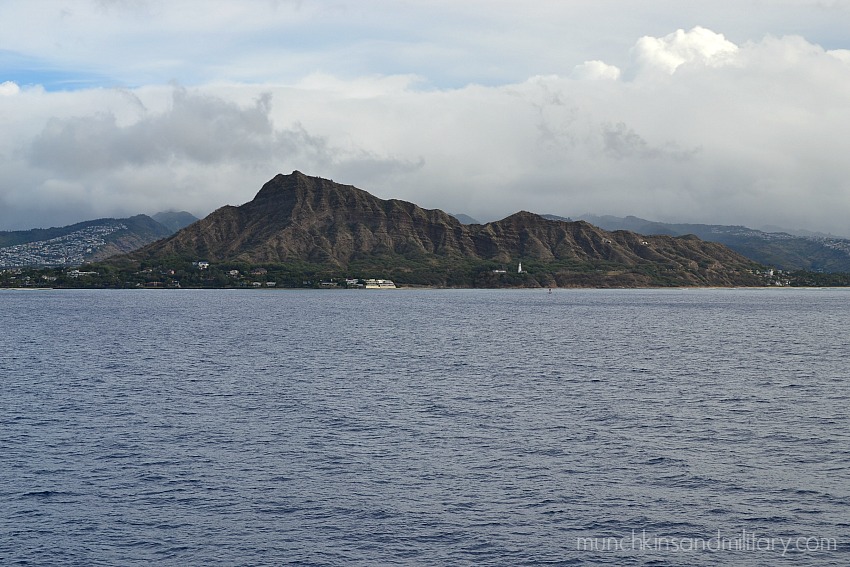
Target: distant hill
{"x": 465, "y": 219}
{"x": 312, "y": 223}
{"x": 813, "y": 251}
{"x": 78, "y": 243}
{"x": 175, "y": 220}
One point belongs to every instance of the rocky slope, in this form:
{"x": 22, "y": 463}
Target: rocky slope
{"x": 78, "y": 243}
{"x": 813, "y": 251}
{"x": 308, "y": 220}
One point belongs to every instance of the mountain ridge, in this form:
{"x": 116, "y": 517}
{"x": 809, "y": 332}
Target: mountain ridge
{"x": 813, "y": 252}
{"x": 298, "y": 219}
{"x": 72, "y": 245}
{"x": 174, "y": 220}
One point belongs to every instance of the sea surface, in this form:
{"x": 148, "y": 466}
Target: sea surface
{"x": 425, "y": 427}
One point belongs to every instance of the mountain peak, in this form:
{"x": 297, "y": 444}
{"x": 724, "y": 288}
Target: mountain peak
{"x": 522, "y": 217}
{"x": 281, "y": 181}
{"x": 299, "y": 184}
{"x": 303, "y": 220}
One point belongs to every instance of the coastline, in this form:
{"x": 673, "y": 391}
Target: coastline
{"x": 437, "y": 288}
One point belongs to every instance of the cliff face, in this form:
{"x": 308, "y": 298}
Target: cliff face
{"x": 296, "y": 217}
{"x": 313, "y": 220}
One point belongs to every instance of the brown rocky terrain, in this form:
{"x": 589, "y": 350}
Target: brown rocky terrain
{"x": 313, "y": 221}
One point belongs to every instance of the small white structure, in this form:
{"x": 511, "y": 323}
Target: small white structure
{"x": 78, "y": 273}
{"x": 380, "y": 284}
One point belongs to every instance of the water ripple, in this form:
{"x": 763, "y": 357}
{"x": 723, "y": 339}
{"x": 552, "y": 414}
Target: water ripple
{"x": 420, "y": 427}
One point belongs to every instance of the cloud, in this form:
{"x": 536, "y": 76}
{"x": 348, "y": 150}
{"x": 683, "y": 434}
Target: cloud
{"x": 590, "y": 70}
{"x": 841, "y": 54}
{"x": 698, "y": 45}
{"x": 621, "y": 142}
{"x": 196, "y": 128}
{"x": 686, "y": 126}
{"x": 9, "y": 88}
{"x": 122, "y": 152}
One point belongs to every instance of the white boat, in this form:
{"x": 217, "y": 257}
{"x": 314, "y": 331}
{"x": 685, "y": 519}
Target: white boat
{"x": 380, "y": 284}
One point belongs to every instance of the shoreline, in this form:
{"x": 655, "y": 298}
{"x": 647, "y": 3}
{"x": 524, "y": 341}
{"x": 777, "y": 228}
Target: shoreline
{"x": 431, "y": 288}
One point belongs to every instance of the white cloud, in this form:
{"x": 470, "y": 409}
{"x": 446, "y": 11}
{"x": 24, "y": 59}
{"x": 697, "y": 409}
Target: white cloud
{"x": 9, "y": 88}
{"x": 743, "y": 126}
{"x": 359, "y": 87}
{"x": 119, "y": 152}
{"x": 590, "y": 70}
{"x": 698, "y": 45}
{"x": 841, "y": 54}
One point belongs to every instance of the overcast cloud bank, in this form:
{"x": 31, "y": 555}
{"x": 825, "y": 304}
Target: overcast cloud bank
{"x": 686, "y": 126}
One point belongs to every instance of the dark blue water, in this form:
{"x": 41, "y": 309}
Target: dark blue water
{"x": 270, "y": 427}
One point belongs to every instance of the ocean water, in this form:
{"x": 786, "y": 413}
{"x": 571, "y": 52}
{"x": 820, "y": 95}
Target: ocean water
{"x": 425, "y": 427}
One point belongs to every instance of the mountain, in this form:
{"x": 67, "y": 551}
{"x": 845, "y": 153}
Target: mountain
{"x": 316, "y": 224}
{"x": 78, "y": 243}
{"x": 175, "y": 220}
{"x": 465, "y": 219}
{"x": 800, "y": 232}
{"x": 812, "y": 251}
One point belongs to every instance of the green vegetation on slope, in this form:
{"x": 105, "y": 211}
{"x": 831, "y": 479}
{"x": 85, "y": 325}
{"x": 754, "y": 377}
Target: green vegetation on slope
{"x": 173, "y": 272}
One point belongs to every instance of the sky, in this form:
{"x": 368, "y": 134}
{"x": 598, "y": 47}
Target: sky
{"x": 720, "y": 112}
